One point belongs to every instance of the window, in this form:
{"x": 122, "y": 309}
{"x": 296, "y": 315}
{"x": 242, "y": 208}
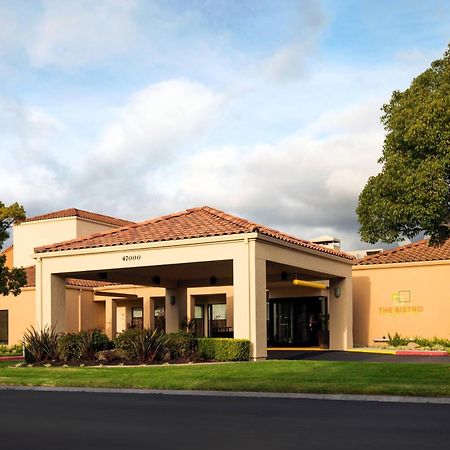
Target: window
{"x": 4, "y": 327}
{"x": 137, "y": 318}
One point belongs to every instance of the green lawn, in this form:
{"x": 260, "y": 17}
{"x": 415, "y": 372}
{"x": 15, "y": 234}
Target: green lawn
{"x": 276, "y": 376}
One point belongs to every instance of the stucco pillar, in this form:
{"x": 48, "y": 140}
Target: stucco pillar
{"x": 190, "y": 306}
{"x": 111, "y": 318}
{"x": 172, "y": 310}
{"x": 50, "y": 300}
{"x": 249, "y": 302}
{"x": 182, "y": 299}
{"x": 229, "y": 303}
{"x": 341, "y": 316}
{"x": 148, "y": 309}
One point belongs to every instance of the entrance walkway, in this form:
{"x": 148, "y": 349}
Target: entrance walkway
{"x": 321, "y": 355}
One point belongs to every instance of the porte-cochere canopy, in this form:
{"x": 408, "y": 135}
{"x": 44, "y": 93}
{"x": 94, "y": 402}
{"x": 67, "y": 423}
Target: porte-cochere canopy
{"x": 196, "y": 248}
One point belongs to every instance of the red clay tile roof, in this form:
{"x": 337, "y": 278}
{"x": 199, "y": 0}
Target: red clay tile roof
{"x": 31, "y": 280}
{"x": 192, "y": 223}
{"x": 74, "y": 212}
{"x": 31, "y": 276}
{"x": 87, "y": 283}
{"x": 414, "y": 252}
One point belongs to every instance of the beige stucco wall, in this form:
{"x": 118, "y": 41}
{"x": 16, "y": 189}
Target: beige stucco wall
{"x": 421, "y": 308}
{"x": 86, "y": 227}
{"x": 82, "y": 313}
{"x": 124, "y": 306}
{"x": 21, "y": 313}
{"x": 29, "y": 235}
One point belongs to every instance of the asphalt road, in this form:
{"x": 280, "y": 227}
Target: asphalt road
{"x": 65, "y": 421}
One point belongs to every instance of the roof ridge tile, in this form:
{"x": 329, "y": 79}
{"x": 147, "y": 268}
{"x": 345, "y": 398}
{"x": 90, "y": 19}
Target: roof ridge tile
{"x": 196, "y": 222}
{"x": 419, "y": 251}
{"x": 82, "y": 214}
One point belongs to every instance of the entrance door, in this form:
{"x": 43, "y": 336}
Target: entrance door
{"x": 294, "y": 322}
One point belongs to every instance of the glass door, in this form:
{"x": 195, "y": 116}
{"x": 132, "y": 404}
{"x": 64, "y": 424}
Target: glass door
{"x": 283, "y": 323}
{"x": 294, "y": 321}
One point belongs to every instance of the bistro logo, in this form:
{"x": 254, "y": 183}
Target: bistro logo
{"x": 401, "y": 301}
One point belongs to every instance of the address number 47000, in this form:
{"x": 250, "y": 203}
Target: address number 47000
{"x": 131, "y": 258}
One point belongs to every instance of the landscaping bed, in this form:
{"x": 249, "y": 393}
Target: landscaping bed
{"x": 417, "y": 346}
{"x": 11, "y": 350}
{"x": 131, "y": 347}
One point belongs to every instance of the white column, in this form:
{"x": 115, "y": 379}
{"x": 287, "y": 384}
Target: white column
{"x": 341, "y": 318}
{"x": 249, "y": 302}
{"x": 148, "y": 310}
{"x": 111, "y": 318}
{"x": 50, "y": 300}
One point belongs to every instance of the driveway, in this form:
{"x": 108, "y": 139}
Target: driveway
{"x": 354, "y": 356}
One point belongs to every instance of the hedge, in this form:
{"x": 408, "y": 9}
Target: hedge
{"x": 223, "y": 349}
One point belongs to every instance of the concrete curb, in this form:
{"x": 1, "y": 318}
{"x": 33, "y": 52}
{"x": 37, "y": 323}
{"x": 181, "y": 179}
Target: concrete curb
{"x": 421, "y": 353}
{"x": 280, "y": 395}
{"x": 11, "y": 358}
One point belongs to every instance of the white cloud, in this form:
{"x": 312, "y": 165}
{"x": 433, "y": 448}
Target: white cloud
{"x": 288, "y": 62}
{"x": 151, "y": 133}
{"x": 305, "y": 184}
{"x": 156, "y": 121}
{"x": 291, "y": 61}
{"x": 74, "y": 33}
{"x": 35, "y": 185}
{"x": 29, "y": 129}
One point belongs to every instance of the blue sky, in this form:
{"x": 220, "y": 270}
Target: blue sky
{"x": 266, "y": 109}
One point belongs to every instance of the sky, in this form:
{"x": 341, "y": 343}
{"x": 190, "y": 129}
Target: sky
{"x": 266, "y": 109}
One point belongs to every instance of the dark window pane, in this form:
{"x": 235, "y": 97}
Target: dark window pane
{"x": 4, "y": 327}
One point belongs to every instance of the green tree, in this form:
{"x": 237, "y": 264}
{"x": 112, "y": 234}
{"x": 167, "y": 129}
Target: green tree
{"x": 411, "y": 194}
{"x": 11, "y": 280}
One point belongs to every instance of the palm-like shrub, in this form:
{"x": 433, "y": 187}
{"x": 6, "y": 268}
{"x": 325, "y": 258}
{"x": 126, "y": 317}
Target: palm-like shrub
{"x": 40, "y": 345}
{"x": 148, "y": 345}
{"x": 144, "y": 345}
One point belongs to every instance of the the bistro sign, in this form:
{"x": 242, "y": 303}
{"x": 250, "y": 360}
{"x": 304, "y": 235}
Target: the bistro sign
{"x": 401, "y": 304}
